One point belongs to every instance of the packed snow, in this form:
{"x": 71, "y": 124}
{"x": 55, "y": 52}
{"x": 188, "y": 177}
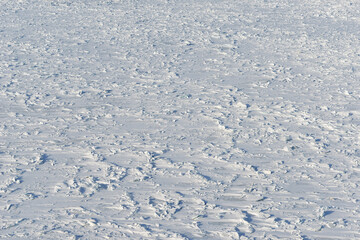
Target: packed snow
{"x": 169, "y": 119}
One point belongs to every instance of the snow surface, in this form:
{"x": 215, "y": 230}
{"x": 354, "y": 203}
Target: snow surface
{"x": 169, "y": 119}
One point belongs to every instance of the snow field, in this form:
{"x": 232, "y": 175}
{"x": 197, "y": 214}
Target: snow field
{"x": 179, "y": 119}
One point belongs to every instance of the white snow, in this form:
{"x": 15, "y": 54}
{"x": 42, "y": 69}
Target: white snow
{"x": 167, "y": 119}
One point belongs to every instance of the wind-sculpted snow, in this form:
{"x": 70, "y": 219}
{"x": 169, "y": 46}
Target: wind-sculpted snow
{"x": 179, "y": 119}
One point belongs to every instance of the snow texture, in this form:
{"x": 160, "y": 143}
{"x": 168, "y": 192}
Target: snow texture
{"x": 168, "y": 119}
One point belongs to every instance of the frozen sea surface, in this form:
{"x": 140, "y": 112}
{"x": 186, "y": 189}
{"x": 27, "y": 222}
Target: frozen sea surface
{"x": 139, "y": 119}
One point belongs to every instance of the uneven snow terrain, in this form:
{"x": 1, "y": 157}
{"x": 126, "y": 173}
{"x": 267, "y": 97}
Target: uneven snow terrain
{"x": 192, "y": 119}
